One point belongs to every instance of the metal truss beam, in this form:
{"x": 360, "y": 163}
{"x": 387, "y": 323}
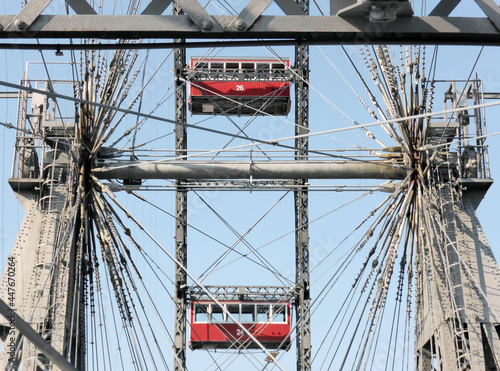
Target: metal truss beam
{"x": 307, "y": 29}
{"x": 181, "y": 208}
{"x": 301, "y": 199}
{"x": 242, "y": 293}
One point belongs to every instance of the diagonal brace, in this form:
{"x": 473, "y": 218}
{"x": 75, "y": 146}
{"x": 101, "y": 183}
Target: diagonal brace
{"x": 199, "y": 16}
{"x": 255, "y": 8}
{"x": 444, "y": 8}
{"x": 290, "y": 7}
{"x": 81, "y": 7}
{"x": 156, "y": 7}
{"x": 492, "y": 11}
{"x": 27, "y": 331}
{"x": 27, "y": 16}
{"x": 250, "y": 14}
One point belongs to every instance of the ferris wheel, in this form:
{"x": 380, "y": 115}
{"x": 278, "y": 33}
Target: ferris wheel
{"x": 265, "y": 207}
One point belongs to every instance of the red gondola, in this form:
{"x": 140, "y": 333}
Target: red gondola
{"x": 239, "y": 86}
{"x": 212, "y": 327}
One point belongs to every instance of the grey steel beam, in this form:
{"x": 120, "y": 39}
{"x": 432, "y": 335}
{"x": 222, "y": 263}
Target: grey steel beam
{"x": 458, "y": 287}
{"x": 368, "y": 8}
{"x": 181, "y": 197}
{"x": 311, "y": 29}
{"x": 236, "y": 293}
{"x": 81, "y": 7}
{"x": 491, "y": 95}
{"x": 156, "y": 7}
{"x": 492, "y": 11}
{"x": 9, "y": 94}
{"x": 34, "y": 337}
{"x": 250, "y": 14}
{"x": 27, "y": 16}
{"x": 444, "y": 7}
{"x": 337, "y": 5}
{"x": 290, "y": 7}
{"x": 301, "y": 203}
{"x": 254, "y": 170}
{"x": 199, "y": 16}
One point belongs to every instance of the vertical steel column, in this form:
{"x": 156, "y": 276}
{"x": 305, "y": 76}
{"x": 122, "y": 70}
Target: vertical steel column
{"x": 180, "y": 209}
{"x": 303, "y": 299}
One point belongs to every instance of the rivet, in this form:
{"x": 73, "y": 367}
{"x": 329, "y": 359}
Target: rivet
{"x": 207, "y": 24}
{"x": 240, "y": 24}
{"x": 19, "y": 24}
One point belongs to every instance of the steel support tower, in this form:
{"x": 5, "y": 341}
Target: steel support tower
{"x": 181, "y": 252}
{"x": 301, "y": 197}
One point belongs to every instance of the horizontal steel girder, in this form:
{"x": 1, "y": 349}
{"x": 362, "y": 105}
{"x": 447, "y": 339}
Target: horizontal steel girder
{"x": 254, "y": 170}
{"x": 307, "y": 29}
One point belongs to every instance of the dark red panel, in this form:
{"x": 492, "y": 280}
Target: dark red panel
{"x": 229, "y": 335}
{"x": 241, "y": 88}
